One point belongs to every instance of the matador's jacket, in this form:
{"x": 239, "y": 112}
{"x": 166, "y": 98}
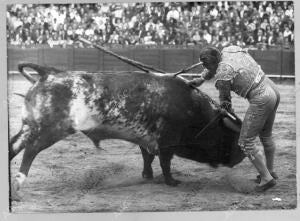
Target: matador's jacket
{"x": 237, "y": 72}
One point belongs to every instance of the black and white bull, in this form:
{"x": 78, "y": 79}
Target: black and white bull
{"x": 160, "y": 113}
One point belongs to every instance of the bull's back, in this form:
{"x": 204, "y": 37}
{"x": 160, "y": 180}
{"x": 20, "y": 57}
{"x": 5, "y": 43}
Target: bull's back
{"x": 147, "y": 108}
{"x": 155, "y": 94}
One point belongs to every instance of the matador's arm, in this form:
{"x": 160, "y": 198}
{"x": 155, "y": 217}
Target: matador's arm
{"x": 224, "y": 77}
{"x": 200, "y": 80}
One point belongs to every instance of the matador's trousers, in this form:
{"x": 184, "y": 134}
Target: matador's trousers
{"x": 259, "y": 118}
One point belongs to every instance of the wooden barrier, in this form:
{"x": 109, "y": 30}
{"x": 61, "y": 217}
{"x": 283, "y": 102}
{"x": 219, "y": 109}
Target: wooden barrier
{"x": 273, "y": 62}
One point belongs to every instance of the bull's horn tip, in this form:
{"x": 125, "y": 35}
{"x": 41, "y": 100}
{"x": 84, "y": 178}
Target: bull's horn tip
{"x": 21, "y": 95}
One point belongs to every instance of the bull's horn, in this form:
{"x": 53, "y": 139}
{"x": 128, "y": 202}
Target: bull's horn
{"x": 42, "y": 70}
{"x": 26, "y": 75}
{"x": 21, "y": 95}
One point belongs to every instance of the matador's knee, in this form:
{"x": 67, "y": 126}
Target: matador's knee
{"x": 250, "y": 150}
{"x": 267, "y": 143}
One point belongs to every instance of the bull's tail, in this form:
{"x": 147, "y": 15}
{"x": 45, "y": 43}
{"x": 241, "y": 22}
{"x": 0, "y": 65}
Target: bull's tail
{"x": 41, "y": 70}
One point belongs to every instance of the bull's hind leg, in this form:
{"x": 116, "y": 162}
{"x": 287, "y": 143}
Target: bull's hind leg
{"x": 165, "y": 157}
{"x": 148, "y": 159}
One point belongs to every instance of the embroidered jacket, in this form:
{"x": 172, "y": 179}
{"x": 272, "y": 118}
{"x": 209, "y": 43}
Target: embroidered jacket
{"x": 238, "y": 72}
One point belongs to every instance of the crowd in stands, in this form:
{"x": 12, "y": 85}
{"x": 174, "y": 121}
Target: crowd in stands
{"x": 253, "y": 24}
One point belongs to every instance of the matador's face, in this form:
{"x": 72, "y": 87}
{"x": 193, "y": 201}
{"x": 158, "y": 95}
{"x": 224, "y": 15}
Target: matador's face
{"x": 212, "y": 67}
{"x": 210, "y": 57}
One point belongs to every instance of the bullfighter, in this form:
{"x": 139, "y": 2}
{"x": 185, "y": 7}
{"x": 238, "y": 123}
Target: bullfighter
{"x": 235, "y": 70}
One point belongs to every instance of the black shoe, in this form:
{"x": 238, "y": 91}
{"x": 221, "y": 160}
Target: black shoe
{"x": 273, "y": 174}
{"x": 266, "y": 186}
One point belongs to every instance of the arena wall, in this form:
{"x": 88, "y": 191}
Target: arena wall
{"x": 278, "y": 62}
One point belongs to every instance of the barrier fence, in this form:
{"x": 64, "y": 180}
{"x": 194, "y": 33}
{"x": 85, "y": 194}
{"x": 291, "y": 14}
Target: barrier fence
{"x": 275, "y": 62}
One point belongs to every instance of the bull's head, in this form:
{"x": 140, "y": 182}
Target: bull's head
{"x": 38, "y": 110}
{"x": 210, "y": 136}
{"x": 233, "y": 153}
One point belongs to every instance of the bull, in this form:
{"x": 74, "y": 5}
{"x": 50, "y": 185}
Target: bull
{"x": 160, "y": 113}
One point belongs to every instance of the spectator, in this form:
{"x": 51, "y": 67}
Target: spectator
{"x": 271, "y": 39}
{"x": 100, "y": 20}
{"x": 61, "y": 42}
{"x": 280, "y": 39}
{"x": 252, "y": 25}
{"x": 224, "y": 42}
{"x": 264, "y": 24}
{"x": 55, "y": 24}
{"x": 214, "y": 40}
{"x": 249, "y": 39}
{"x": 269, "y": 9}
{"x": 149, "y": 25}
{"x": 117, "y": 23}
{"x": 214, "y": 12}
{"x": 118, "y": 11}
{"x": 114, "y": 38}
{"x": 79, "y": 30}
{"x": 260, "y": 37}
{"x": 17, "y": 40}
{"x": 290, "y": 11}
{"x": 239, "y": 41}
{"x": 173, "y": 14}
{"x": 196, "y": 37}
{"x": 207, "y": 37}
{"x": 170, "y": 23}
{"x": 287, "y": 34}
{"x": 89, "y": 31}
{"x": 148, "y": 39}
{"x": 261, "y": 10}
{"x": 34, "y": 36}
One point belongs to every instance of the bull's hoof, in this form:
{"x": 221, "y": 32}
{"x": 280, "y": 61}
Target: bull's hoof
{"x": 172, "y": 182}
{"x": 15, "y": 196}
{"x": 14, "y": 192}
{"x": 147, "y": 175}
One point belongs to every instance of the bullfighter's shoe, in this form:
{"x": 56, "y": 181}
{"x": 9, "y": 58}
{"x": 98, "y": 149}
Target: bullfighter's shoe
{"x": 273, "y": 174}
{"x": 266, "y": 186}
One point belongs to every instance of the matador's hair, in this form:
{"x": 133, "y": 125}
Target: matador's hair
{"x": 210, "y": 55}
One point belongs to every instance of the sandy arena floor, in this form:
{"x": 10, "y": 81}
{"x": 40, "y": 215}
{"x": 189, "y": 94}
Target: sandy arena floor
{"x": 72, "y": 176}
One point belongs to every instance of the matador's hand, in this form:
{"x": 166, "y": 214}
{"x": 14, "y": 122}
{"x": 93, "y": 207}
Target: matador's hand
{"x": 196, "y": 82}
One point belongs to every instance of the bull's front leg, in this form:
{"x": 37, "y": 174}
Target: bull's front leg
{"x": 165, "y": 157}
{"x": 19, "y": 141}
{"x": 148, "y": 159}
{"x": 33, "y": 141}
